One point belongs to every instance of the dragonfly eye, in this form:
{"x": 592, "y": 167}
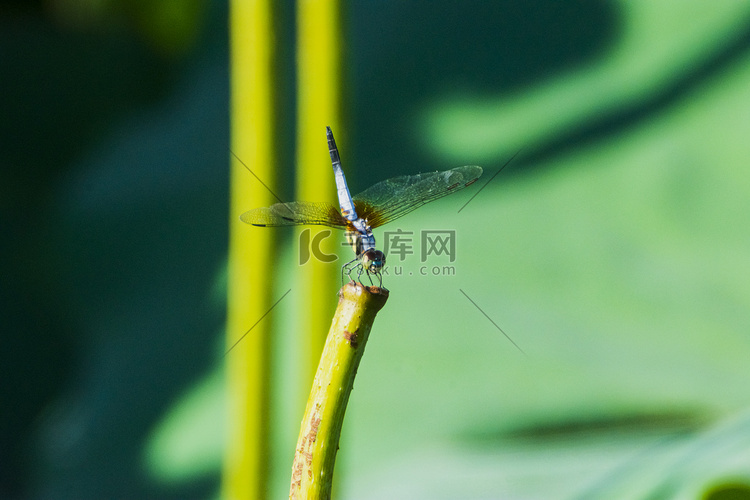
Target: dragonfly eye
{"x": 373, "y": 260}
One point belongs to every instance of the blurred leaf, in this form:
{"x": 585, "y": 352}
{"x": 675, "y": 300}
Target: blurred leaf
{"x": 188, "y": 442}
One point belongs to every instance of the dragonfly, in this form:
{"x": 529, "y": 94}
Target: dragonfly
{"x": 359, "y": 215}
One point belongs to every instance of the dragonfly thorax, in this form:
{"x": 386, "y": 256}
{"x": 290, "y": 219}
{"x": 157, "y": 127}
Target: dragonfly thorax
{"x": 361, "y": 242}
{"x": 361, "y": 226}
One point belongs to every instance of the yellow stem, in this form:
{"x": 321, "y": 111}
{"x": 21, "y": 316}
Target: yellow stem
{"x": 251, "y": 251}
{"x": 318, "y": 105}
{"x": 312, "y": 472}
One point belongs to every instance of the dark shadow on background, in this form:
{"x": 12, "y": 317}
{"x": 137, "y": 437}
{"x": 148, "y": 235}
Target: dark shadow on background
{"x": 60, "y": 90}
{"x": 576, "y": 428}
{"x": 735, "y": 48}
{"x": 404, "y": 54}
{"x": 67, "y": 357}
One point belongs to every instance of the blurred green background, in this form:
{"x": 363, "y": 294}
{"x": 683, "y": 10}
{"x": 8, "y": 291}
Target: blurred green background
{"x": 613, "y": 250}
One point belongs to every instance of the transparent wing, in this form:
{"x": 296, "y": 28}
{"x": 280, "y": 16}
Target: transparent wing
{"x": 393, "y": 198}
{"x": 295, "y": 213}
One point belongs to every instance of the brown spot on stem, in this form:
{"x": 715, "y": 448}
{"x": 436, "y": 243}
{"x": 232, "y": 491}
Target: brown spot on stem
{"x": 304, "y": 456}
{"x": 352, "y": 337}
{"x": 297, "y": 474}
{"x": 313, "y": 434}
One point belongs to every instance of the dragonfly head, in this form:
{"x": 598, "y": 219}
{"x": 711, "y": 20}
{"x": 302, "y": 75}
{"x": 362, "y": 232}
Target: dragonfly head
{"x": 373, "y": 260}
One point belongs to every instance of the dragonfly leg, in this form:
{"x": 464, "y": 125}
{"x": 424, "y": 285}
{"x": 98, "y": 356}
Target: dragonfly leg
{"x": 348, "y": 268}
{"x": 345, "y": 270}
{"x": 369, "y": 277}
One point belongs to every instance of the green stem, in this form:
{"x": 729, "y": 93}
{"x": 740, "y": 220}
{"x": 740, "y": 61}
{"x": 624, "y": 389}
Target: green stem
{"x": 312, "y": 472}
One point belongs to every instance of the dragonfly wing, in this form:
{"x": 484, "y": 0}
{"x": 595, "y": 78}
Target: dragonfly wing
{"x": 393, "y": 198}
{"x": 295, "y": 213}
